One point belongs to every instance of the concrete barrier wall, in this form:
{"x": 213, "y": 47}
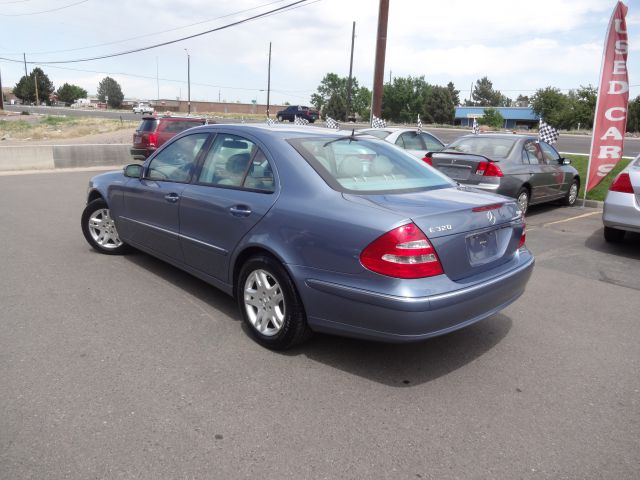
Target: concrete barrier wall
{"x": 26, "y": 158}
{"x": 44, "y": 157}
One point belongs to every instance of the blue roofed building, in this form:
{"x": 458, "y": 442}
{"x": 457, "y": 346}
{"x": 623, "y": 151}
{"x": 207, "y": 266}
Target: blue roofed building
{"x": 521, "y": 118}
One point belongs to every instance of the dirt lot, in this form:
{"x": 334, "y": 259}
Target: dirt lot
{"x": 56, "y": 130}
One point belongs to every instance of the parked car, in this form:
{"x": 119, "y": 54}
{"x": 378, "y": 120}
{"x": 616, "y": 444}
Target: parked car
{"x": 300, "y": 111}
{"x": 417, "y": 144}
{"x": 309, "y": 235}
{"x": 621, "y": 211}
{"x": 517, "y": 166}
{"x": 153, "y": 132}
{"x": 143, "y": 108}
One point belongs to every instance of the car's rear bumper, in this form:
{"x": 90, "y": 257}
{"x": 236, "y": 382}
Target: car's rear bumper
{"x": 621, "y": 211}
{"x": 344, "y": 310}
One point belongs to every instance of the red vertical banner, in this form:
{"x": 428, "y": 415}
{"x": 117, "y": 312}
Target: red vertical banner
{"x": 610, "y": 121}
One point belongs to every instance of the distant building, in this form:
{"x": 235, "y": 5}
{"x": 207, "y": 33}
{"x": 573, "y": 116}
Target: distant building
{"x": 522, "y": 118}
{"x": 9, "y": 97}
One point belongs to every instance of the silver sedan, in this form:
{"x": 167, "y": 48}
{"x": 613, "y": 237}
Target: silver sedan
{"x": 622, "y": 205}
{"x": 414, "y": 142}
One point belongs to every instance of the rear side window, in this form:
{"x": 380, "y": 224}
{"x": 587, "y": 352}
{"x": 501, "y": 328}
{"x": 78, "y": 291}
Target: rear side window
{"x": 148, "y": 125}
{"x": 367, "y": 166}
{"x": 180, "y": 125}
{"x": 234, "y": 161}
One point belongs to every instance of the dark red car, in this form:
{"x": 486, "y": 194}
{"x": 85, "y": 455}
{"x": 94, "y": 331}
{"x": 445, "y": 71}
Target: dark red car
{"x": 153, "y": 132}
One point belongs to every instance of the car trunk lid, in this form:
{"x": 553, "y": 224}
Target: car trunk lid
{"x": 486, "y": 227}
{"x": 466, "y": 168}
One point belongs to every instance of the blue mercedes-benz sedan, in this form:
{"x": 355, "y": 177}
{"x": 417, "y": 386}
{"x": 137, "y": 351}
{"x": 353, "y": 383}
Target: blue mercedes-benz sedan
{"x": 317, "y": 230}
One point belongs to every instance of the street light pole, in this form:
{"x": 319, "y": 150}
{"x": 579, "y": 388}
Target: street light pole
{"x": 188, "y": 82}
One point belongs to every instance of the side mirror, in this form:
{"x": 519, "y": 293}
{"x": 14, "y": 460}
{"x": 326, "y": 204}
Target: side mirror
{"x": 133, "y": 170}
{"x": 564, "y": 161}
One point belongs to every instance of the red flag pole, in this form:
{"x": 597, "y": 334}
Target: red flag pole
{"x": 607, "y": 141}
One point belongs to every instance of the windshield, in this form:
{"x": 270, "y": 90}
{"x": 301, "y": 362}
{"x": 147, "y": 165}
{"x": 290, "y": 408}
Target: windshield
{"x": 367, "y": 166}
{"x": 479, "y": 145}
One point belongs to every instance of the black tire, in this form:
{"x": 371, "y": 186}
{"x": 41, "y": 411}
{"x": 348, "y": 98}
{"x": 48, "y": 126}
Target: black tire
{"x": 279, "y": 118}
{"x": 572, "y": 194}
{"x": 103, "y": 239}
{"x": 293, "y": 328}
{"x": 613, "y": 235}
{"x": 523, "y": 197}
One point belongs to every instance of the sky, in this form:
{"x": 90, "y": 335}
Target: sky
{"x": 519, "y": 46}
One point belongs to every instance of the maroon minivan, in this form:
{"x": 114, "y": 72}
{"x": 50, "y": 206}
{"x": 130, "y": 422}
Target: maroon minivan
{"x": 155, "y": 131}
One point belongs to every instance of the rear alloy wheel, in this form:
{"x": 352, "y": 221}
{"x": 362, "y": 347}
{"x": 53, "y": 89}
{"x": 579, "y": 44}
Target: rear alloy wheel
{"x": 523, "y": 199}
{"x": 572, "y": 195}
{"x": 99, "y": 229}
{"x": 279, "y": 118}
{"x": 613, "y": 235}
{"x": 270, "y": 304}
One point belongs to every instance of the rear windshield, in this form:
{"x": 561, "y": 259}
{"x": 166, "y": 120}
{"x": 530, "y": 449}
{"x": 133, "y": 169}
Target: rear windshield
{"x": 180, "y": 125}
{"x": 367, "y": 166}
{"x": 479, "y": 145}
{"x": 148, "y": 125}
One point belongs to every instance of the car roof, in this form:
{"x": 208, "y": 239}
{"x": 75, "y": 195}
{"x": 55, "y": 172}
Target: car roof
{"x": 280, "y": 130}
{"x": 501, "y": 136}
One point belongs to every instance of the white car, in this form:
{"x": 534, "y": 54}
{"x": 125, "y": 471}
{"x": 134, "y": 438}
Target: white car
{"x": 143, "y": 108}
{"x": 417, "y": 144}
{"x": 621, "y": 212}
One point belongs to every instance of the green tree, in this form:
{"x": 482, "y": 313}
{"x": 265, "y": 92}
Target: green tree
{"x": 552, "y": 105}
{"x": 492, "y": 118}
{"x": 108, "y": 87}
{"x": 439, "y": 107}
{"x": 405, "y": 98}
{"x": 484, "y": 95}
{"x": 332, "y": 95}
{"x": 70, "y": 93}
{"x": 25, "y": 89}
{"x": 454, "y": 94}
{"x": 522, "y": 101}
{"x": 583, "y": 103}
{"x": 633, "y": 115}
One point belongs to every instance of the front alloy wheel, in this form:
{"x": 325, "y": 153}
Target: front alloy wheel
{"x": 572, "y": 194}
{"x": 99, "y": 229}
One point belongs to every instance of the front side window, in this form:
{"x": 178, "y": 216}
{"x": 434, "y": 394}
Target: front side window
{"x": 410, "y": 141}
{"x": 549, "y": 153}
{"x": 235, "y": 161}
{"x": 367, "y": 166}
{"x": 177, "y": 160}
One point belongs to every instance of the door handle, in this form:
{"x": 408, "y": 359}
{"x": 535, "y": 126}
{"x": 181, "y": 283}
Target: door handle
{"x": 172, "y": 197}
{"x": 240, "y": 211}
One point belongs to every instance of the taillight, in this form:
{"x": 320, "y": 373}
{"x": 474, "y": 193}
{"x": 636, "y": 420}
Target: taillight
{"x": 488, "y": 169}
{"x": 523, "y": 237}
{"x": 622, "y": 184}
{"x": 427, "y": 160}
{"x": 153, "y": 139}
{"x": 404, "y": 252}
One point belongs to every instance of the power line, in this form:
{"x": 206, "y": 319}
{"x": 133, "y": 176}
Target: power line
{"x": 146, "y": 34}
{"x": 43, "y": 11}
{"x": 162, "y": 44}
{"x": 290, "y": 93}
{"x": 15, "y": 1}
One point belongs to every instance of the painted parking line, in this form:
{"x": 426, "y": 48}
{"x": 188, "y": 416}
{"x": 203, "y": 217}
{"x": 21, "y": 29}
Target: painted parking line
{"x": 542, "y": 225}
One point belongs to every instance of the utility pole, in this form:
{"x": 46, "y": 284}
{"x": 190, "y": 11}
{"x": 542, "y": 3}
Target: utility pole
{"x": 157, "y": 85}
{"x": 35, "y": 79}
{"x": 1, "y": 94}
{"x": 24, "y": 56}
{"x": 269, "y": 81}
{"x": 390, "y": 72}
{"x": 188, "y": 82}
{"x": 353, "y": 37}
{"x": 381, "y": 47}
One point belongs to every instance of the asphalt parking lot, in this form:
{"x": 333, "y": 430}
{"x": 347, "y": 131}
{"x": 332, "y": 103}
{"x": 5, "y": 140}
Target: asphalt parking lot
{"x": 125, "y": 367}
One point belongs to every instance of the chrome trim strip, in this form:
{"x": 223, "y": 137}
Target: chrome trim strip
{"x": 179, "y": 235}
